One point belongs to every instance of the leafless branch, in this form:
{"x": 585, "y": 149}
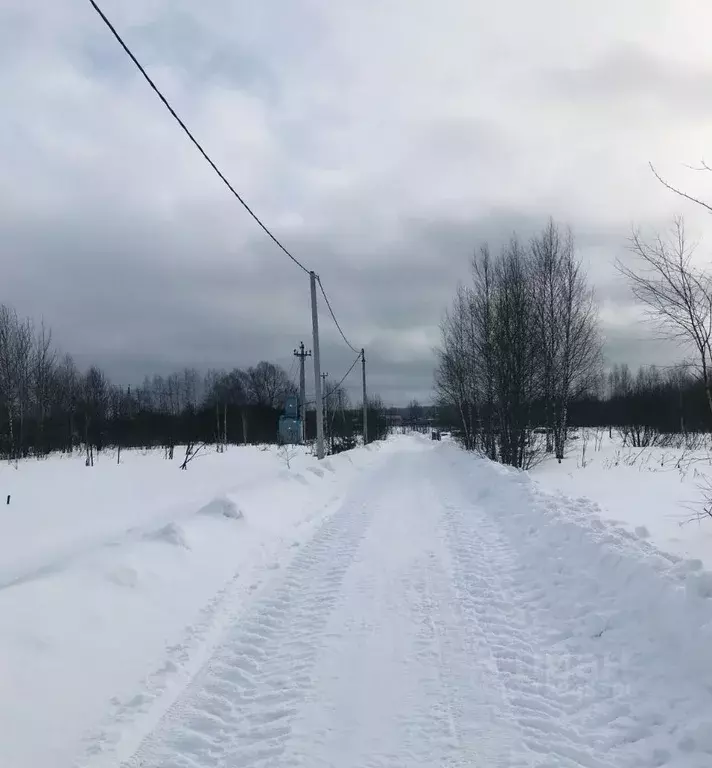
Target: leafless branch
{"x": 679, "y": 192}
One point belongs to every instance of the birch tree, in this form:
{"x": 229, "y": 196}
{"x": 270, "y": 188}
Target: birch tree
{"x": 566, "y": 329}
{"x": 43, "y": 366}
{"x": 521, "y": 338}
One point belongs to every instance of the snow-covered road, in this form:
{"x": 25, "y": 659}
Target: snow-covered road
{"x": 449, "y": 613}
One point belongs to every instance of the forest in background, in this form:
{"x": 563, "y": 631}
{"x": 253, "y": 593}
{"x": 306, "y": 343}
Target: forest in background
{"x": 47, "y": 404}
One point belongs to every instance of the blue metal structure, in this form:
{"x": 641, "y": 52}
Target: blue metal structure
{"x": 290, "y": 430}
{"x": 291, "y": 407}
{"x": 290, "y": 425}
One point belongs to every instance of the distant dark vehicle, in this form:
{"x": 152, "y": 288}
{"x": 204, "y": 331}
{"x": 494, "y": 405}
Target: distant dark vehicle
{"x": 435, "y": 434}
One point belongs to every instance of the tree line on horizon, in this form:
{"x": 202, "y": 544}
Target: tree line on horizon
{"x": 645, "y": 408}
{"x": 47, "y": 404}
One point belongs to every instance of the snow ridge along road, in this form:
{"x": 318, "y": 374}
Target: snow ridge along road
{"x": 238, "y": 709}
{"x": 449, "y": 613}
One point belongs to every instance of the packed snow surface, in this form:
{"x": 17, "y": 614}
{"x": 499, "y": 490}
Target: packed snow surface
{"x": 407, "y": 605}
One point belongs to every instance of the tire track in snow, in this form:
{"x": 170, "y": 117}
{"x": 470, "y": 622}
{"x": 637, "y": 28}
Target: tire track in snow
{"x": 471, "y": 710}
{"x": 548, "y": 695}
{"x": 397, "y": 685}
{"x": 541, "y": 706}
{"x": 238, "y": 710}
{"x": 376, "y": 698}
{"x": 573, "y": 629}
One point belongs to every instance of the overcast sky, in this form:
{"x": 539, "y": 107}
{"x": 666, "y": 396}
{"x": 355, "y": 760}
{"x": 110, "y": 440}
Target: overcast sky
{"x": 381, "y": 140}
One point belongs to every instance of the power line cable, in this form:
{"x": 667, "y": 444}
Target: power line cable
{"x": 333, "y": 317}
{"x": 191, "y": 137}
{"x": 353, "y": 365}
{"x": 343, "y": 379}
{"x": 224, "y": 179}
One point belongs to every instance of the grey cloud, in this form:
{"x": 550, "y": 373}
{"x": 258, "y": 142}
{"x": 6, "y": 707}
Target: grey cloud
{"x": 138, "y": 299}
{"x": 637, "y": 347}
{"x": 179, "y": 39}
{"x": 634, "y": 78}
{"x": 378, "y": 168}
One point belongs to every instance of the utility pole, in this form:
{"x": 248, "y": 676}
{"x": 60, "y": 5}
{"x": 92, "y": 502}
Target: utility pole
{"x": 302, "y": 355}
{"x": 325, "y": 395}
{"x": 317, "y": 371}
{"x": 365, "y": 401}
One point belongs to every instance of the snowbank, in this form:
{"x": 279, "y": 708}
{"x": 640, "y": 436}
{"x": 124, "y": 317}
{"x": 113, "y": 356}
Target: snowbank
{"x": 119, "y": 578}
{"x": 657, "y": 494}
{"x": 633, "y": 621}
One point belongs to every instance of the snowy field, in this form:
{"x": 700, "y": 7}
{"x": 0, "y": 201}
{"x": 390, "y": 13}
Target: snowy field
{"x": 116, "y": 580}
{"x": 659, "y": 494}
{"x": 402, "y": 605}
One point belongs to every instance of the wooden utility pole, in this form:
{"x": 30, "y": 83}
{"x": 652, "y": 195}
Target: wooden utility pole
{"x": 365, "y": 400}
{"x": 302, "y": 355}
{"x": 317, "y": 371}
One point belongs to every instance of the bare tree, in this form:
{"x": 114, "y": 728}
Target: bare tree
{"x": 514, "y": 363}
{"x": 676, "y": 295}
{"x": 42, "y": 374}
{"x": 415, "y": 410}
{"x": 224, "y": 391}
{"x": 620, "y": 381}
{"x": 174, "y": 399}
{"x": 482, "y": 325}
{"x": 189, "y": 389}
{"x": 268, "y": 385}
{"x": 336, "y": 425}
{"x": 287, "y": 452}
{"x": 524, "y": 333}
{"x": 16, "y": 343}
{"x": 453, "y": 375}
{"x": 549, "y": 252}
{"x": 215, "y": 396}
{"x": 95, "y": 395}
{"x": 8, "y": 371}
{"x": 580, "y": 345}
{"x": 24, "y": 349}
{"x": 67, "y": 397}
{"x": 566, "y": 315}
